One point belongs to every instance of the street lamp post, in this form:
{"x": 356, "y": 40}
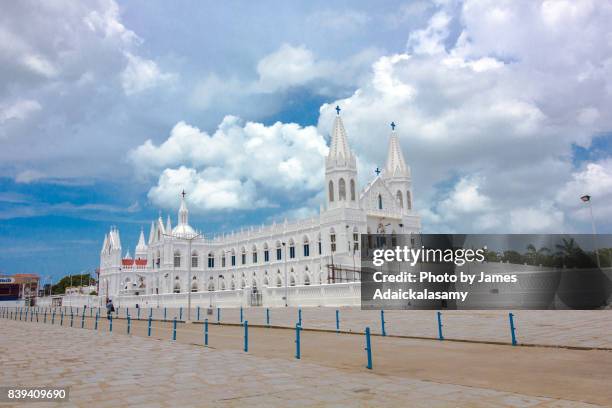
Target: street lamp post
{"x": 587, "y": 199}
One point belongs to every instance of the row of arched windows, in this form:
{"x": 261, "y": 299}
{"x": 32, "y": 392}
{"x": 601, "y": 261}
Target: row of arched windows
{"x": 341, "y": 190}
{"x": 400, "y": 200}
{"x": 241, "y": 283}
{"x": 291, "y": 248}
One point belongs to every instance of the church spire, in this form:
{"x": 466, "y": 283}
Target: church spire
{"x": 396, "y": 165}
{"x": 141, "y": 248}
{"x": 339, "y": 150}
{"x": 168, "y": 225}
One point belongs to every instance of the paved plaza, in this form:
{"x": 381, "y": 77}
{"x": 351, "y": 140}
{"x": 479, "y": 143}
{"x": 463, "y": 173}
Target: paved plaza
{"x": 113, "y": 370}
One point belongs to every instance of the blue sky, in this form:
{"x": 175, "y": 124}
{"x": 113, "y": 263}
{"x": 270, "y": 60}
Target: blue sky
{"x": 108, "y": 109}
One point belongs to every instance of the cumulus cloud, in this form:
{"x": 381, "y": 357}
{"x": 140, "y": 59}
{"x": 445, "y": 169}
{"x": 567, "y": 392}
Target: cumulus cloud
{"x": 63, "y": 86}
{"x": 489, "y": 99}
{"x": 141, "y": 74}
{"x": 240, "y": 166}
{"x": 18, "y": 110}
{"x": 594, "y": 179}
{"x": 286, "y": 69}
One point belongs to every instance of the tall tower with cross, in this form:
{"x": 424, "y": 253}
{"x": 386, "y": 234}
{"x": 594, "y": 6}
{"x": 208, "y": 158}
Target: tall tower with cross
{"x": 340, "y": 169}
{"x": 397, "y": 173}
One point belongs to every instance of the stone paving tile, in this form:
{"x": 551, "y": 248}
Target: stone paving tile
{"x": 111, "y": 370}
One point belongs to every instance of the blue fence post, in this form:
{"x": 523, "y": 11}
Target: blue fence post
{"x": 71, "y": 320}
{"x": 91, "y": 312}
{"x": 368, "y": 348}
{"x": 246, "y": 336}
{"x": 53, "y": 317}
{"x": 97, "y": 318}
{"x": 110, "y": 323}
{"x": 512, "y": 328}
{"x": 206, "y": 332}
{"x": 149, "y": 328}
{"x": 337, "y": 321}
{"x": 62, "y": 318}
{"x": 198, "y": 315}
{"x": 127, "y": 312}
{"x": 20, "y": 312}
{"x": 36, "y": 315}
{"x": 298, "y": 354}
{"x": 268, "y": 316}
{"x": 241, "y": 317}
{"x": 218, "y": 315}
{"x": 300, "y": 316}
{"x": 83, "y": 321}
{"x": 138, "y": 314}
{"x": 440, "y": 336}
{"x": 382, "y": 322}
{"x": 129, "y": 324}
{"x": 150, "y": 312}
{"x": 181, "y": 313}
{"x": 174, "y": 329}
{"x": 164, "y": 313}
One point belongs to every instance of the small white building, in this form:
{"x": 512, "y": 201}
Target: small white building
{"x": 322, "y": 250}
{"x": 80, "y": 290}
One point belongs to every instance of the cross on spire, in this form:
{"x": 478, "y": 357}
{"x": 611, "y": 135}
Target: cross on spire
{"x": 392, "y": 125}
{"x": 338, "y": 109}
{"x": 377, "y": 171}
{"x": 183, "y": 194}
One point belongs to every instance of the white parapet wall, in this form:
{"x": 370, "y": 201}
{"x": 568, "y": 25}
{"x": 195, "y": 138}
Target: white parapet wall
{"x": 70, "y": 300}
{"x": 333, "y": 295}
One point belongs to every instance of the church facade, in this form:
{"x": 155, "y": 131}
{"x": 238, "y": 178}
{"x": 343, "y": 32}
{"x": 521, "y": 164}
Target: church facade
{"x": 322, "y": 250}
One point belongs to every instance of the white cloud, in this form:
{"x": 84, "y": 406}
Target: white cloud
{"x": 465, "y": 198}
{"x": 29, "y": 176}
{"x": 289, "y": 66}
{"x": 244, "y": 163}
{"x": 594, "y": 179}
{"x": 18, "y": 110}
{"x": 543, "y": 219}
{"x": 498, "y": 105}
{"x": 40, "y": 65}
{"x": 141, "y": 74}
{"x": 208, "y": 190}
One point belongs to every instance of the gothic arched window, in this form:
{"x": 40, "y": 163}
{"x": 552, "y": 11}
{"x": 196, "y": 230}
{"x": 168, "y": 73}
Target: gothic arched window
{"x": 400, "y": 199}
{"x": 408, "y": 200}
{"x": 194, "y": 259}
{"x": 177, "y": 259}
{"x": 341, "y": 190}
{"x": 211, "y": 260}
{"x": 380, "y": 206}
{"x": 352, "y": 190}
{"x": 331, "y": 191}
{"x": 332, "y": 240}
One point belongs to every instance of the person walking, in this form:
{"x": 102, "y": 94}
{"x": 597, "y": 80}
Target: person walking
{"x": 110, "y": 308}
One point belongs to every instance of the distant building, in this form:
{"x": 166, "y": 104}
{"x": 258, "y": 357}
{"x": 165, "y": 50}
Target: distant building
{"x": 19, "y": 286}
{"x": 80, "y": 290}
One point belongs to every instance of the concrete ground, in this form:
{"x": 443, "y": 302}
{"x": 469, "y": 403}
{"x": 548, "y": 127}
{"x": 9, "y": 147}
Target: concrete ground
{"x": 117, "y": 369}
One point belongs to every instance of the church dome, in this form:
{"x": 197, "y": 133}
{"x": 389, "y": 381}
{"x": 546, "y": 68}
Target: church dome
{"x": 183, "y": 231}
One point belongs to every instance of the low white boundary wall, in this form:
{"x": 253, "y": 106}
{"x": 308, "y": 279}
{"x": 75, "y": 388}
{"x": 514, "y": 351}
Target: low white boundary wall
{"x": 337, "y": 294}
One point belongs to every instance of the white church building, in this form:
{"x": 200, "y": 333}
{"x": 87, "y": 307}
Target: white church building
{"x": 309, "y": 262}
